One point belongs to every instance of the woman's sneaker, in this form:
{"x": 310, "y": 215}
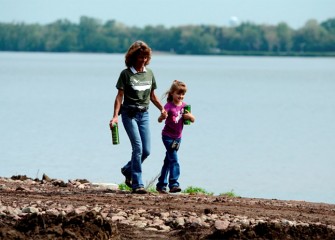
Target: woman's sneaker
{"x": 127, "y": 181}
{"x": 175, "y": 189}
{"x": 139, "y": 191}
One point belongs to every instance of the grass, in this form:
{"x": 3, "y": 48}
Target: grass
{"x": 124, "y": 187}
{"x": 189, "y": 190}
{"x": 196, "y": 190}
{"x": 229, "y": 194}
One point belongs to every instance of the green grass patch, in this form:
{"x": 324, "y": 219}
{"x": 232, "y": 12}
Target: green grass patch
{"x": 229, "y": 194}
{"x": 124, "y": 187}
{"x": 196, "y": 190}
{"x": 189, "y": 190}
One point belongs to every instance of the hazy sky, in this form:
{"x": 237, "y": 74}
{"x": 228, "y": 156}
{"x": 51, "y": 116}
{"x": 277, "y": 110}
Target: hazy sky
{"x": 170, "y": 12}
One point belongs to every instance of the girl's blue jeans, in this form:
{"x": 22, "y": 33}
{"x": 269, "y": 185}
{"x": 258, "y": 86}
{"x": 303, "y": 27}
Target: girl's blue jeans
{"x": 170, "y": 167}
{"x": 137, "y": 128}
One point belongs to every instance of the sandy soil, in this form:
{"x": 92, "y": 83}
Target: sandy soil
{"x": 52, "y": 209}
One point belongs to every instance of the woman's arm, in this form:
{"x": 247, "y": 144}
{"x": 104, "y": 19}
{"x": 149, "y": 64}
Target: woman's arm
{"x": 154, "y": 99}
{"x": 117, "y": 106}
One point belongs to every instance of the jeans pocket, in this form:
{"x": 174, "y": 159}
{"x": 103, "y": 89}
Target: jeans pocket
{"x": 175, "y": 145}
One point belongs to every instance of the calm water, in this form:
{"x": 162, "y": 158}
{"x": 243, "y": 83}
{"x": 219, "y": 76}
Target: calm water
{"x": 264, "y": 128}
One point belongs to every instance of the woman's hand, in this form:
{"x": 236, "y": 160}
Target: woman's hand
{"x": 113, "y": 121}
{"x": 164, "y": 113}
{"x": 162, "y": 116}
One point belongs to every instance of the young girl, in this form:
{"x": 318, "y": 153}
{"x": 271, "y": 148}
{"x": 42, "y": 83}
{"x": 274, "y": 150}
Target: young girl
{"x": 171, "y": 136}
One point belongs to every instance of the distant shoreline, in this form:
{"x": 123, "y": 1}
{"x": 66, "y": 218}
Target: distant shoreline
{"x": 226, "y": 53}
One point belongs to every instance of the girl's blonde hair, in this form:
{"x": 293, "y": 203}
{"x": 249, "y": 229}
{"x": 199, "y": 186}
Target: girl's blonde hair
{"x": 177, "y": 86}
{"x": 136, "y": 49}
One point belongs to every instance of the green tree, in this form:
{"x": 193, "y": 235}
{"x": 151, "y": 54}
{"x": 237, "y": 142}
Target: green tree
{"x": 285, "y": 37}
{"x": 329, "y": 25}
{"x": 311, "y": 37}
{"x": 251, "y": 37}
{"x": 195, "y": 40}
{"x": 61, "y": 36}
{"x": 91, "y": 35}
{"x": 119, "y": 36}
{"x": 271, "y": 38}
{"x": 329, "y": 41}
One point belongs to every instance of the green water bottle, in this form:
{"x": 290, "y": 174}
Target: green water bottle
{"x": 187, "y": 108}
{"x": 115, "y": 134}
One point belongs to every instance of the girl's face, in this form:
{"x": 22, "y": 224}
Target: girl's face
{"x": 178, "y": 97}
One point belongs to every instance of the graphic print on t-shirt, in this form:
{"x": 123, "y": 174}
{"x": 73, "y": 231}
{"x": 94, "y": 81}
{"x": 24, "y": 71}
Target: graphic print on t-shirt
{"x": 139, "y": 85}
{"x": 177, "y": 117}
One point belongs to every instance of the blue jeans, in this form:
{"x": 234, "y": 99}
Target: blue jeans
{"x": 137, "y": 128}
{"x": 170, "y": 166}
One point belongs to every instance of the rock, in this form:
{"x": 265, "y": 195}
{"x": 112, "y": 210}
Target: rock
{"x": 53, "y": 212}
{"x": 164, "y": 228}
{"x": 180, "y": 221}
{"x": 109, "y": 186}
{"x": 21, "y": 189}
{"x": 164, "y": 215}
{"x": 46, "y": 178}
{"x": 30, "y": 210}
{"x": 118, "y": 218}
{"x": 19, "y": 177}
{"x": 80, "y": 210}
{"x": 221, "y": 225}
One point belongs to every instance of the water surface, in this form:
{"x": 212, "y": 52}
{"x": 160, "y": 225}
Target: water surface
{"x": 264, "y": 125}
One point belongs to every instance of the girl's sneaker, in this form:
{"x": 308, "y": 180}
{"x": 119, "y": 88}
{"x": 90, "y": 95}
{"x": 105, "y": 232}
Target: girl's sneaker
{"x": 175, "y": 189}
{"x": 161, "y": 191}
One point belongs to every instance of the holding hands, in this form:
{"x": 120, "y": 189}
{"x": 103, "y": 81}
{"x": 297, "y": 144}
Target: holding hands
{"x": 162, "y": 116}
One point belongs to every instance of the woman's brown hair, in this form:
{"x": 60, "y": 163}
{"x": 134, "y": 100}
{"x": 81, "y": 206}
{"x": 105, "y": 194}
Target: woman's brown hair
{"x": 136, "y": 49}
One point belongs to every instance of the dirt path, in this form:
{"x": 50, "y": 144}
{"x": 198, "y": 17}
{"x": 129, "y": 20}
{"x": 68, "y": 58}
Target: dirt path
{"x": 52, "y": 209}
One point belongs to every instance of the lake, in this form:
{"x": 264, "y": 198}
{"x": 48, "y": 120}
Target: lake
{"x": 264, "y": 125}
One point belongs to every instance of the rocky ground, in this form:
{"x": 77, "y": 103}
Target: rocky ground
{"x": 78, "y": 209}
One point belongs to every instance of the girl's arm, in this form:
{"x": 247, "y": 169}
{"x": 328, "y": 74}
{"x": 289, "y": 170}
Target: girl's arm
{"x": 189, "y": 116}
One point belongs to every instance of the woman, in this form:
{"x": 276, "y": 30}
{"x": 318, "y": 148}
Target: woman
{"x": 136, "y": 88}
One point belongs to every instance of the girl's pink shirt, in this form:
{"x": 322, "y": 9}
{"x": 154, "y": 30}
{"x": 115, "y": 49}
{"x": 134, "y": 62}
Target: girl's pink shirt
{"x": 174, "y": 123}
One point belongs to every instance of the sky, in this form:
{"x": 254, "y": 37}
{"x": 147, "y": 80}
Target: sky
{"x": 170, "y": 12}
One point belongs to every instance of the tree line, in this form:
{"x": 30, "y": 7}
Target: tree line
{"x": 93, "y": 35}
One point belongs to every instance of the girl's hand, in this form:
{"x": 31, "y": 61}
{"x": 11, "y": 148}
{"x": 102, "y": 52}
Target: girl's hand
{"x": 164, "y": 112}
{"x": 188, "y": 116}
{"x": 162, "y": 116}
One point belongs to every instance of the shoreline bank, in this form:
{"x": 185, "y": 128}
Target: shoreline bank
{"x": 52, "y": 208}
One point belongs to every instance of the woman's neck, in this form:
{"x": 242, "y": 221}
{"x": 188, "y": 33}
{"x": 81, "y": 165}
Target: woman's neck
{"x": 139, "y": 68}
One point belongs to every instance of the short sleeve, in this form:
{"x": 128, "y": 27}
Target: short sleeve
{"x": 121, "y": 81}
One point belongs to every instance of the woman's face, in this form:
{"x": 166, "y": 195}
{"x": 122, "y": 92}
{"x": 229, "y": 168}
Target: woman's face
{"x": 142, "y": 60}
